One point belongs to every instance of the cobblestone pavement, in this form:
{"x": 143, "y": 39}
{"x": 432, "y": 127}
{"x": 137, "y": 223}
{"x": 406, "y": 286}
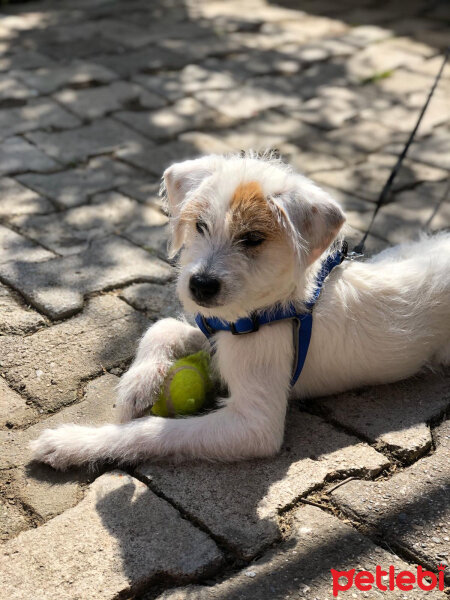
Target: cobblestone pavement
{"x": 96, "y": 98}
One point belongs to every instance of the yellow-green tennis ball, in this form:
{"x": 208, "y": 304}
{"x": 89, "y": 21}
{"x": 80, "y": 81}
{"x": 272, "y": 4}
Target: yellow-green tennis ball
{"x": 185, "y": 388}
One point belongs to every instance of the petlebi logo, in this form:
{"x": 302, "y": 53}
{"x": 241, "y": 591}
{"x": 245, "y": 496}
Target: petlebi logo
{"x": 385, "y": 580}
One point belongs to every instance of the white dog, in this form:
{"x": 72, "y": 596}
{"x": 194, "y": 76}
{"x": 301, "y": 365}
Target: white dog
{"x": 253, "y": 235}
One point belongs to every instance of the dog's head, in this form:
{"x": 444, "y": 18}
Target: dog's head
{"x": 249, "y": 229}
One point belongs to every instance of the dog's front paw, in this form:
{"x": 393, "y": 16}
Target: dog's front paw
{"x": 60, "y": 448}
{"x": 139, "y": 388}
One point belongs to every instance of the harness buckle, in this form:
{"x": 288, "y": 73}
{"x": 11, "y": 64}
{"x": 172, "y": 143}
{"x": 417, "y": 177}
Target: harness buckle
{"x": 255, "y": 323}
{"x": 354, "y": 255}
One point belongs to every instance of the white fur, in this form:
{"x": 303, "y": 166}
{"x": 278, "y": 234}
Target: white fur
{"x": 376, "y": 321}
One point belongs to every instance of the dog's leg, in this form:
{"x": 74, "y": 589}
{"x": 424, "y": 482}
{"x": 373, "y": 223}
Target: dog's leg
{"x": 250, "y": 424}
{"x": 163, "y": 343}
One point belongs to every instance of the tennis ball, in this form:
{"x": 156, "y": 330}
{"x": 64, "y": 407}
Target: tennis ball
{"x": 186, "y": 387}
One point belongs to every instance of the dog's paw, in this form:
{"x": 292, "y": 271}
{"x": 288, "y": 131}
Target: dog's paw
{"x": 60, "y": 448}
{"x": 139, "y": 389}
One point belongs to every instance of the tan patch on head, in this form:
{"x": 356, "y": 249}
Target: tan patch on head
{"x": 250, "y": 211}
{"x": 192, "y": 211}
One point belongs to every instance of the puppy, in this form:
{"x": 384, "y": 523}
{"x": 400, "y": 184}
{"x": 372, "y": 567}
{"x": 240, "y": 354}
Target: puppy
{"x": 252, "y": 235}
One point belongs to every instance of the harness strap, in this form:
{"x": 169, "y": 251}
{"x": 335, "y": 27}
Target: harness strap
{"x": 302, "y": 321}
{"x": 302, "y": 336}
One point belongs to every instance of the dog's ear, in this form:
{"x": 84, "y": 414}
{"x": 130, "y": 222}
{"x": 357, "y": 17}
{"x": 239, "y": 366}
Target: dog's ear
{"x": 312, "y": 216}
{"x": 183, "y": 178}
{"x": 179, "y": 181}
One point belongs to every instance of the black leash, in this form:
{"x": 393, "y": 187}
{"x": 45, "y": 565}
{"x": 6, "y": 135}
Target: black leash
{"x": 359, "y": 249}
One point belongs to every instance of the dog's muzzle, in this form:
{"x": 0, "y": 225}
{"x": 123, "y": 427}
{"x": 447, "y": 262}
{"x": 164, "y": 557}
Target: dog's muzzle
{"x": 204, "y": 288}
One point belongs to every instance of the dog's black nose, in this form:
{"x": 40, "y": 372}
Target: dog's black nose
{"x": 203, "y": 287}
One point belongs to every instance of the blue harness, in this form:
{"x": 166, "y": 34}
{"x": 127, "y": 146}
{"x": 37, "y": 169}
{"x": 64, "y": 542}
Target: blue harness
{"x": 302, "y": 320}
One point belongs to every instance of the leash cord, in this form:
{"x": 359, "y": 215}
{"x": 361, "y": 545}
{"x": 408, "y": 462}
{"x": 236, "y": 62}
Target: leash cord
{"x": 359, "y": 249}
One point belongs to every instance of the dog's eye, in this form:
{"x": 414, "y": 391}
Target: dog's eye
{"x": 201, "y": 226}
{"x": 252, "y": 239}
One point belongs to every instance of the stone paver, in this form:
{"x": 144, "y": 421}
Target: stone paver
{"x": 15, "y": 199}
{"x": 243, "y": 102}
{"x": 363, "y": 35}
{"x": 413, "y": 211}
{"x": 47, "y": 80}
{"x": 363, "y": 136}
{"x": 331, "y": 108}
{"x": 269, "y": 129}
{"x": 13, "y": 408}
{"x": 313, "y": 52}
{"x": 198, "y": 49}
{"x": 442, "y": 214}
{"x": 431, "y": 66}
{"x": 12, "y": 519}
{"x": 97, "y": 98}
{"x": 158, "y": 301}
{"x": 72, "y": 231}
{"x": 309, "y": 163}
{"x": 14, "y": 247}
{"x": 72, "y": 187}
{"x": 367, "y": 180}
{"x": 125, "y": 33}
{"x": 154, "y": 238}
{"x": 49, "y": 493}
{"x": 99, "y": 101}
{"x": 68, "y": 50}
{"x": 145, "y": 190}
{"x": 24, "y": 59}
{"x": 410, "y": 45}
{"x": 11, "y": 88}
{"x": 36, "y": 114}
{"x": 411, "y": 509}
{"x": 49, "y": 365}
{"x": 165, "y": 123}
{"x": 174, "y": 85}
{"x": 211, "y": 143}
{"x": 394, "y": 417}
{"x": 155, "y": 158}
{"x": 123, "y": 537}
{"x": 433, "y": 150}
{"x": 321, "y": 143}
{"x": 309, "y": 27}
{"x": 403, "y": 81}
{"x": 147, "y": 59}
{"x": 379, "y": 58}
{"x": 248, "y": 522}
{"x": 402, "y": 118}
{"x": 102, "y": 136}
{"x": 301, "y": 566}
{"x": 17, "y": 156}
{"x": 57, "y": 287}
{"x": 305, "y": 85}
{"x": 15, "y": 316}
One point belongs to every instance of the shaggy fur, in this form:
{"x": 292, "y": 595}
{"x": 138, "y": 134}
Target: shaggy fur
{"x": 376, "y": 321}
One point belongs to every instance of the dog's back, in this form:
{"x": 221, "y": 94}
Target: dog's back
{"x": 383, "y": 319}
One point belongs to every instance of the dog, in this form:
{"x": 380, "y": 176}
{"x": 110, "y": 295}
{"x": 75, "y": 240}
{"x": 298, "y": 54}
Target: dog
{"x": 252, "y": 234}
